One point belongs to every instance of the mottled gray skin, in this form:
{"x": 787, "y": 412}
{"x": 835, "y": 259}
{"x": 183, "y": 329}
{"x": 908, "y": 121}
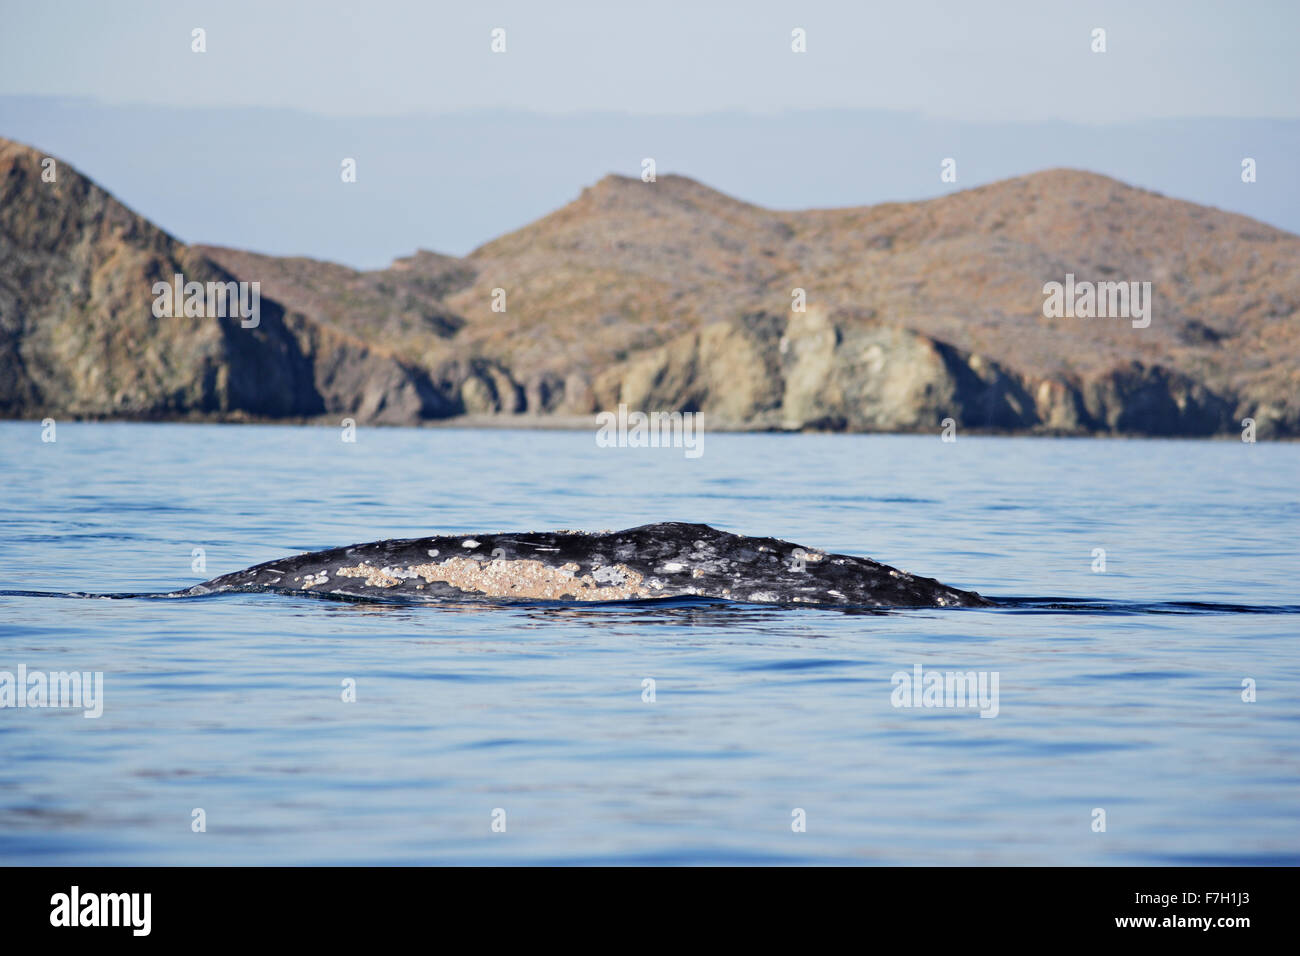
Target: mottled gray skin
{"x": 667, "y": 560}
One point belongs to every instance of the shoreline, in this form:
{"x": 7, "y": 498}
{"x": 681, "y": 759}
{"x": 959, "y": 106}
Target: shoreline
{"x": 589, "y": 423}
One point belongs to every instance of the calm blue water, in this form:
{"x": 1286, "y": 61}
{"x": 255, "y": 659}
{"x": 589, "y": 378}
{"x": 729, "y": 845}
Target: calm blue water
{"x": 1129, "y": 703}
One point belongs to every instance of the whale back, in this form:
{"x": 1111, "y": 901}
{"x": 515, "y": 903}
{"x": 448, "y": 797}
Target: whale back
{"x": 665, "y": 560}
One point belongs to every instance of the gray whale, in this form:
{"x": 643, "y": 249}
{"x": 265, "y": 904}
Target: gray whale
{"x": 665, "y": 560}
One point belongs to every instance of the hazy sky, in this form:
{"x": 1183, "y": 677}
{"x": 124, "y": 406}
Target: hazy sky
{"x": 241, "y": 145}
{"x": 1019, "y": 60}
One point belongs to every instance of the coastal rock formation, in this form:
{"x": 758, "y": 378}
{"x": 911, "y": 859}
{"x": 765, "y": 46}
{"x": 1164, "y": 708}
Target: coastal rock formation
{"x": 670, "y": 296}
{"x": 78, "y": 334}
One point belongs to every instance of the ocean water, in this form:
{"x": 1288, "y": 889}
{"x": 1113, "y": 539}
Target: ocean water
{"x": 1118, "y": 691}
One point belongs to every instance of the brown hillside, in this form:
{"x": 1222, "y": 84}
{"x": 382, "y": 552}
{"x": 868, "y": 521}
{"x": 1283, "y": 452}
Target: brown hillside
{"x": 671, "y": 295}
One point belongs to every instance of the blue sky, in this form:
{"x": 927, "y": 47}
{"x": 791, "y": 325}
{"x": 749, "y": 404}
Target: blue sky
{"x": 1019, "y": 60}
{"x": 455, "y": 145}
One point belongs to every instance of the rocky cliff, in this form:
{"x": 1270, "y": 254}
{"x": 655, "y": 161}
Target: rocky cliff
{"x": 672, "y": 296}
{"x": 78, "y": 334}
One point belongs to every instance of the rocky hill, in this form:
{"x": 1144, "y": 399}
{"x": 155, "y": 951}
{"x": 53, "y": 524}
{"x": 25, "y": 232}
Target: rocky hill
{"x": 672, "y": 296}
{"x": 78, "y": 336}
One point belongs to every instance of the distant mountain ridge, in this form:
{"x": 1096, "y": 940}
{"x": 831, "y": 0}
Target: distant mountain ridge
{"x": 672, "y": 296}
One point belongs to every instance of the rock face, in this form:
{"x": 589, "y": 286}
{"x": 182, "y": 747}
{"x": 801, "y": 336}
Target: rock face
{"x": 669, "y": 296}
{"x": 666, "y": 560}
{"x": 78, "y": 336}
